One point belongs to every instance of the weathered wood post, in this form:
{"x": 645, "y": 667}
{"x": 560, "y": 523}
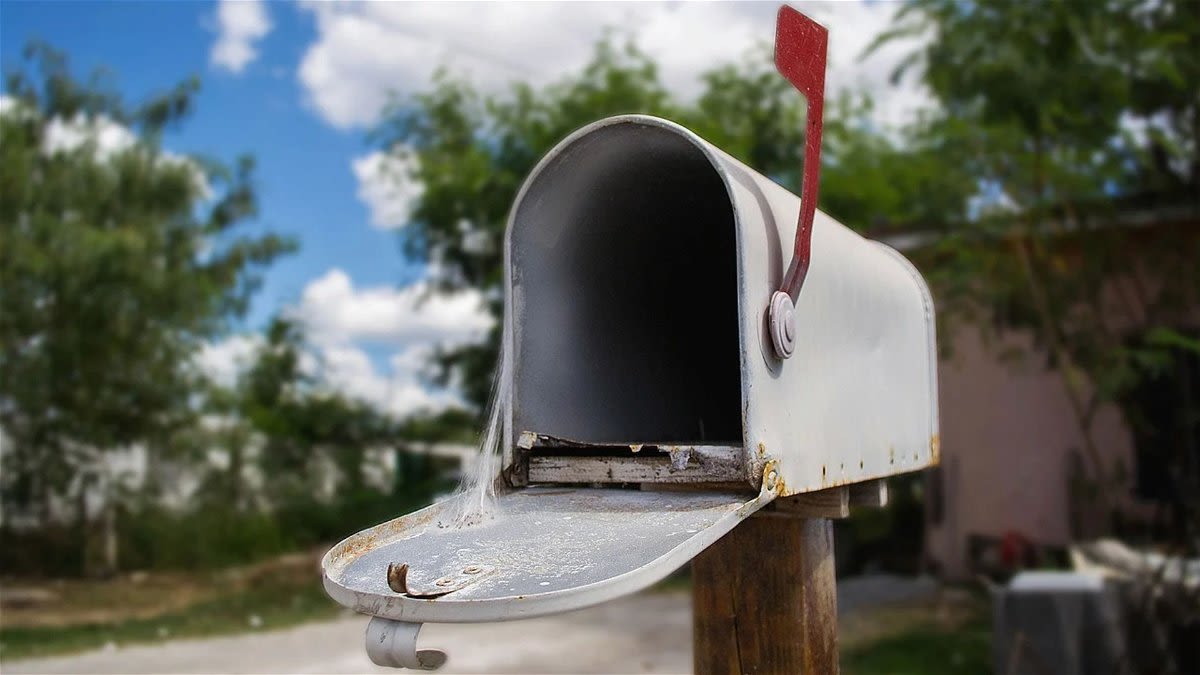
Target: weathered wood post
{"x": 758, "y": 612}
{"x": 755, "y": 611}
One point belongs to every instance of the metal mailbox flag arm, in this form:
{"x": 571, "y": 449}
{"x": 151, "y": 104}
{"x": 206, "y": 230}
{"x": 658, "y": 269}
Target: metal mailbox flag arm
{"x": 801, "y": 52}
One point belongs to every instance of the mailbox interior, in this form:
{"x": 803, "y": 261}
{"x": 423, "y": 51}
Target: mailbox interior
{"x": 624, "y": 297}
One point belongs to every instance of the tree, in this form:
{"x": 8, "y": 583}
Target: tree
{"x": 283, "y": 421}
{"x": 472, "y": 151}
{"x": 118, "y": 260}
{"x": 1076, "y": 119}
{"x": 290, "y": 426}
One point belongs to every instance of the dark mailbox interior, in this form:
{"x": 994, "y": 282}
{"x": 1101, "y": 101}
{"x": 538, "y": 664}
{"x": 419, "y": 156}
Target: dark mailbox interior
{"x": 625, "y": 290}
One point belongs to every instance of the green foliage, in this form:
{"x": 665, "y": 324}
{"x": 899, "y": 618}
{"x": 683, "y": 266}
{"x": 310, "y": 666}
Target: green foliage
{"x": 924, "y": 647}
{"x": 298, "y": 428}
{"x": 1063, "y": 78}
{"x": 115, "y": 266}
{"x": 206, "y": 537}
{"x": 117, "y": 262}
{"x": 212, "y": 536}
{"x": 310, "y": 446}
{"x": 889, "y": 539}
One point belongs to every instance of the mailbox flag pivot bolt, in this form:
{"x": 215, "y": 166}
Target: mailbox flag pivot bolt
{"x": 783, "y": 324}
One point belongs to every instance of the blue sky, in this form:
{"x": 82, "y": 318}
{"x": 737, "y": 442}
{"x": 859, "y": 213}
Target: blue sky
{"x": 299, "y": 85}
{"x": 305, "y": 186}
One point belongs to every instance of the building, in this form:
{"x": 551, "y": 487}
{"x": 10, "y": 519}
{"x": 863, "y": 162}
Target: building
{"x": 1012, "y": 472}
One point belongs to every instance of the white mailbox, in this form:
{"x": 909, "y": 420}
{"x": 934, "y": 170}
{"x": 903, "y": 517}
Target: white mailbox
{"x": 641, "y": 267}
{"x": 686, "y": 346}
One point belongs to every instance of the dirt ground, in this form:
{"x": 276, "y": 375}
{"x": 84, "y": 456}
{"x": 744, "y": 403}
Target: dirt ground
{"x": 140, "y": 595}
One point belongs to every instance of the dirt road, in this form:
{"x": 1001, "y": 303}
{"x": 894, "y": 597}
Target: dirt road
{"x": 646, "y": 633}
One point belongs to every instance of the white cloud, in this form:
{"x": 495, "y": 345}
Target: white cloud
{"x": 364, "y": 51}
{"x": 397, "y": 390}
{"x": 386, "y": 186}
{"x": 240, "y": 25}
{"x": 225, "y": 359}
{"x": 336, "y": 312}
{"x": 109, "y": 137}
{"x": 341, "y": 318}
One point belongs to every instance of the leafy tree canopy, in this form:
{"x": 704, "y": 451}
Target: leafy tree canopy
{"x": 117, "y": 261}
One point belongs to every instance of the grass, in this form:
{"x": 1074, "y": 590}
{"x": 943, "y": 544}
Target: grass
{"x": 923, "y": 650}
{"x": 257, "y": 598}
{"x": 949, "y": 637}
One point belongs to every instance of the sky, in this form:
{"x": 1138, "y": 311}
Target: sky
{"x": 300, "y": 84}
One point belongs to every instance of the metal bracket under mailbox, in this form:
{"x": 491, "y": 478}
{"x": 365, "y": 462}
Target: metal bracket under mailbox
{"x": 394, "y": 644}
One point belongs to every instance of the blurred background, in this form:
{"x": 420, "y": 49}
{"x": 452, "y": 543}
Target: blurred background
{"x": 250, "y": 265}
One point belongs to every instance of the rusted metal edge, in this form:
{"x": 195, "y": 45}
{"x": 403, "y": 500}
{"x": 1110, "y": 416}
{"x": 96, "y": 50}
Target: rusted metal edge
{"x": 834, "y": 502}
{"x": 532, "y": 440}
{"x": 397, "y": 580}
{"x": 543, "y": 458}
{"x": 680, "y": 465}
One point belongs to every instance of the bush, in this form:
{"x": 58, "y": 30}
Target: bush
{"x": 208, "y": 535}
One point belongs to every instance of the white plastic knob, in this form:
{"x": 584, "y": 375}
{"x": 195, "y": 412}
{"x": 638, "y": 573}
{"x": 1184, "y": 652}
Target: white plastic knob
{"x": 782, "y": 321}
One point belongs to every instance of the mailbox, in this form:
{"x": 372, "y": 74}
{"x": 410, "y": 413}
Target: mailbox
{"x": 641, "y": 266}
{"x": 665, "y": 383}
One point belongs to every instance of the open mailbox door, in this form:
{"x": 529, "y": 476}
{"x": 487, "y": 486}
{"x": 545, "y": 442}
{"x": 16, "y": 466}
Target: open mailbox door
{"x": 661, "y": 390}
{"x": 550, "y": 549}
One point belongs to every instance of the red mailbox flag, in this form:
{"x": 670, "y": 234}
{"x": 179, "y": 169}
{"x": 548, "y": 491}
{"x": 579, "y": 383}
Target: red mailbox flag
{"x": 801, "y": 49}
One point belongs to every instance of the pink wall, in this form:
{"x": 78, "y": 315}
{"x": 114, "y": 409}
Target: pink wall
{"x": 1007, "y": 430}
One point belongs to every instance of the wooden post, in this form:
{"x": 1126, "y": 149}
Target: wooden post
{"x": 765, "y": 599}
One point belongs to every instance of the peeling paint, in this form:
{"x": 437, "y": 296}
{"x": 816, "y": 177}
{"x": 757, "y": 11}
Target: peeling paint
{"x": 526, "y": 440}
{"x": 679, "y": 457}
